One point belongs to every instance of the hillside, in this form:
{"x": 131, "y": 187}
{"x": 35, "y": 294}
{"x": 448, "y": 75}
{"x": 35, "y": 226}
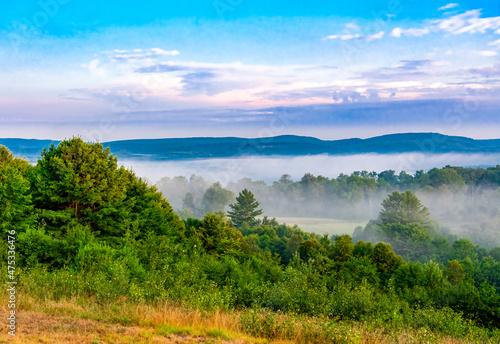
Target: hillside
{"x": 224, "y": 147}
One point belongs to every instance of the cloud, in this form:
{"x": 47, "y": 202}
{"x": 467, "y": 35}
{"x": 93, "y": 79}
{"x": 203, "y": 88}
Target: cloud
{"x": 467, "y": 22}
{"x": 94, "y": 69}
{"x": 447, "y": 7}
{"x": 486, "y": 71}
{"x": 196, "y": 83}
{"x": 414, "y": 64}
{"x": 352, "y": 26}
{"x": 486, "y": 53}
{"x": 398, "y": 32}
{"x": 407, "y": 69}
{"x": 343, "y": 37}
{"x": 139, "y": 54}
{"x": 350, "y": 96}
{"x": 375, "y": 36}
{"x": 206, "y": 83}
{"x": 350, "y": 36}
{"x": 497, "y": 42}
{"x": 162, "y": 68}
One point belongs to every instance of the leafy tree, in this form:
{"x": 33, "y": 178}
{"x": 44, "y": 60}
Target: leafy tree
{"x": 78, "y": 180}
{"x": 216, "y": 198}
{"x": 173, "y": 189}
{"x": 188, "y": 202}
{"x": 389, "y": 176}
{"x": 80, "y": 183}
{"x": 147, "y": 211}
{"x": 446, "y": 176}
{"x": 343, "y": 248}
{"x": 362, "y": 249}
{"x": 403, "y": 208}
{"x": 462, "y": 249}
{"x": 410, "y": 240}
{"x": 309, "y": 249}
{"x": 405, "y": 181}
{"x": 454, "y": 272}
{"x": 245, "y": 209}
{"x": 218, "y": 236}
{"x": 495, "y": 253}
{"x": 16, "y": 209}
{"x": 286, "y": 179}
{"x": 386, "y": 260}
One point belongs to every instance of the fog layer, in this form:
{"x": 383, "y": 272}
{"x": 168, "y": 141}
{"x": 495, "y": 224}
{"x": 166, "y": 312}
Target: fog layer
{"x": 464, "y": 203}
{"x": 270, "y": 169}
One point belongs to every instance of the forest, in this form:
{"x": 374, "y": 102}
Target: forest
{"x": 465, "y": 200}
{"x": 89, "y": 229}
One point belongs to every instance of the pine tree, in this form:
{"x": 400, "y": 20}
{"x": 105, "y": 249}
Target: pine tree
{"x": 245, "y": 209}
{"x": 77, "y": 182}
{"x": 16, "y": 209}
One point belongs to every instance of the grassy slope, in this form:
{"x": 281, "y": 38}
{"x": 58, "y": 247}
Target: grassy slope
{"x": 82, "y": 320}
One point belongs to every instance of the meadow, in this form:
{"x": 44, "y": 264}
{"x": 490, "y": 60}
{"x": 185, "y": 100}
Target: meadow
{"x": 323, "y": 226}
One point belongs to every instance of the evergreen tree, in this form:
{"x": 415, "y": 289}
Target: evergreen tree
{"x": 16, "y": 209}
{"x": 80, "y": 183}
{"x": 245, "y": 209}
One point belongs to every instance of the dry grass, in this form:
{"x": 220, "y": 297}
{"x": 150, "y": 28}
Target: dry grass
{"x": 81, "y": 320}
{"x": 84, "y": 321}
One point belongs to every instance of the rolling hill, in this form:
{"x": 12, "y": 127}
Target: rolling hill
{"x": 286, "y": 145}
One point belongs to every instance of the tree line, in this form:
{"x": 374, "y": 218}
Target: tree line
{"x": 466, "y": 200}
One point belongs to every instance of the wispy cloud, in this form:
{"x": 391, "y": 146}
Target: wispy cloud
{"x": 351, "y": 32}
{"x": 343, "y": 37}
{"x": 375, "y": 36}
{"x": 139, "y": 54}
{"x": 162, "y": 68}
{"x": 467, "y": 22}
{"x": 447, "y": 7}
{"x": 351, "y": 36}
{"x": 398, "y": 32}
{"x": 486, "y": 71}
{"x": 350, "y": 96}
{"x": 495, "y": 43}
{"x": 407, "y": 69}
{"x": 486, "y": 53}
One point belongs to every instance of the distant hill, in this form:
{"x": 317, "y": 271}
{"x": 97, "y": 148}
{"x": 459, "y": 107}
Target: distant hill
{"x": 223, "y": 147}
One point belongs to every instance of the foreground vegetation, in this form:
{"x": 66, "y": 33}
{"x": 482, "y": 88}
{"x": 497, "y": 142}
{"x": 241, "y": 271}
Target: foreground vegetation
{"x": 95, "y": 242}
{"x": 81, "y": 319}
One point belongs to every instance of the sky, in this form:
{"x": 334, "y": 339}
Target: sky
{"x": 126, "y": 69}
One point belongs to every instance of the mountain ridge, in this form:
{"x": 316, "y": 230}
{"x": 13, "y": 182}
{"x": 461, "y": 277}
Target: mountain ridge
{"x": 287, "y": 145}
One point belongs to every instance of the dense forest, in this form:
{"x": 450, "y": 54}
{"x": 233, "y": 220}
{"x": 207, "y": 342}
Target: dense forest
{"x": 465, "y": 200}
{"x": 86, "y": 226}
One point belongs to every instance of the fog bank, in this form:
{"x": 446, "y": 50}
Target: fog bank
{"x": 271, "y": 168}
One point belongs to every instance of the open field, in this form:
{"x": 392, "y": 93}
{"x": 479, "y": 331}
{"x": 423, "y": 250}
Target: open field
{"x": 323, "y": 226}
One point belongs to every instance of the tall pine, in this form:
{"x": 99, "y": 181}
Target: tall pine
{"x": 245, "y": 209}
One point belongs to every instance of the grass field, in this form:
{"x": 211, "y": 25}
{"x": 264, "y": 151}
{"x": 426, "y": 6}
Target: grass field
{"x": 323, "y": 226}
{"x": 82, "y": 320}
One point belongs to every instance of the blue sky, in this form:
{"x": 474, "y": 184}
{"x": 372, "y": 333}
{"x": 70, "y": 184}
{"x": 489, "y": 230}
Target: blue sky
{"x": 337, "y": 69}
